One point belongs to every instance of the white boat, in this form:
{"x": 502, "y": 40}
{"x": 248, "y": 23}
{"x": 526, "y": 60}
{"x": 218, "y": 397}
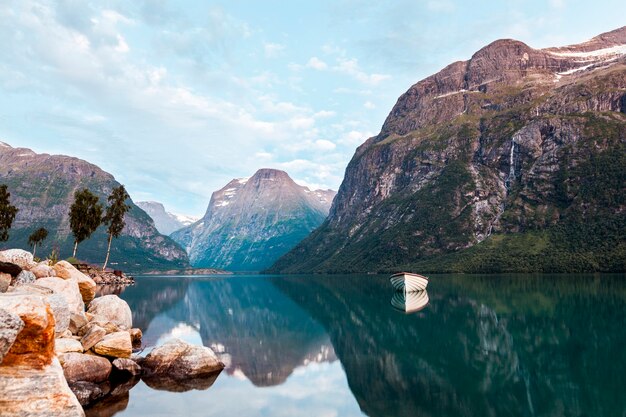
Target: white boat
{"x": 408, "y": 282}
{"x": 410, "y": 302}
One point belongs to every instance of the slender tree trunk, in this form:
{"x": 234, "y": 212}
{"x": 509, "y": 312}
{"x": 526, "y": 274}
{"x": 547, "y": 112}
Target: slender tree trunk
{"x": 106, "y": 261}
{"x": 75, "y": 247}
{"x": 34, "y": 249}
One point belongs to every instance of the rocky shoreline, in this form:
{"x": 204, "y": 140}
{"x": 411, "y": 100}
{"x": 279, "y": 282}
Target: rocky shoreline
{"x": 62, "y": 349}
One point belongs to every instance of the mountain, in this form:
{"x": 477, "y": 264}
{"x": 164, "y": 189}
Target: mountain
{"x": 252, "y": 221}
{"x": 42, "y": 186}
{"x": 514, "y": 160}
{"x": 165, "y": 222}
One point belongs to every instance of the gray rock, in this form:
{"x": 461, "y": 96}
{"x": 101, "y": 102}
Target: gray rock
{"x": 24, "y": 277}
{"x": 10, "y": 326}
{"x": 113, "y": 309}
{"x": 178, "y": 360}
{"x": 60, "y": 311}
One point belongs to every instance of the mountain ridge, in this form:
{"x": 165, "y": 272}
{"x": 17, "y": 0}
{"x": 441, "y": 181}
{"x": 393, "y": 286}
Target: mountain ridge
{"x": 42, "y": 186}
{"x": 511, "y": 144}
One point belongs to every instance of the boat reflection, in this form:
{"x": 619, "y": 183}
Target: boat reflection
{"x": 410, "y": 302}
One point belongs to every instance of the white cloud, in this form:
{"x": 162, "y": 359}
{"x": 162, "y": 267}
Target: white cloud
{"x": 557, "y": 4}
{"x": 369, "y": 105}
{"x": 324, "y": 145}
{"x": 273, "y": 50}
{"x": 351, "y": 67}
{"x": 317, "y": 64}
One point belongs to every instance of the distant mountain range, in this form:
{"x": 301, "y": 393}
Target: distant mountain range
{"x": 42, "y": 186}
{"x": 165, "y": 222}
{"x": 514, "y": 160}
{"x": 252, "y": 221}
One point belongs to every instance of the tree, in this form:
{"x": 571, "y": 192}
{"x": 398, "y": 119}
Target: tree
{"x": 85, "y": 216}
{"x": 37, "y": 237}
{"x": 114, "y": 217}
{"x": 7, "y": 213}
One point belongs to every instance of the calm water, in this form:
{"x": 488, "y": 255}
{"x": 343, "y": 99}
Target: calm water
{"x": 334, "y": 346}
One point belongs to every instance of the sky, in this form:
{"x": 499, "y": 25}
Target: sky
{"x": 176, "y": 98}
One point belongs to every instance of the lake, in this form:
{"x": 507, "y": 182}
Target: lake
{"x": 496, "y": 345}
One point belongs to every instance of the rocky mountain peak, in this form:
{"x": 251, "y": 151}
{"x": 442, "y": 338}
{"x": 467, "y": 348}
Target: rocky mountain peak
{"x": 251, "y": 221}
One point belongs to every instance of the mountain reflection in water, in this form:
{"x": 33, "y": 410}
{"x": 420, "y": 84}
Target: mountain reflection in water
{"x": 485, "y": 345}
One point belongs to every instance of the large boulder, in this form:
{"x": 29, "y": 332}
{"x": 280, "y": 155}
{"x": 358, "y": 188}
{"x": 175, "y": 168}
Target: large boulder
{"x": 82, "y": 367}
{"x": 34, "y": 345}
{"x": 116, "y": 345}
{"x": 113, "y": 309}
{"x": 22, "y": 258}
{"x": 56, "y": 301}
{"x": 69, "y": 290}
{"x": 177, "y": 360}
{"x": 28, "y": 392}
{"x": 87, "y": 286}
{"x": 10, "y": 326}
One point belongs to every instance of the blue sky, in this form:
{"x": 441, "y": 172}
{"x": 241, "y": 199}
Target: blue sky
{"x": 175, "y": 98}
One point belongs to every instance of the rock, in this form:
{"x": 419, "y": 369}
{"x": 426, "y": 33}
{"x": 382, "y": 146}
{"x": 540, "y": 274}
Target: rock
{"x": 108, "y": 326}
{"x": 113, "y": 309}
{"x": 86, "y": 285}
{"x": 37, "y": 392}
{"x": 179, "y": 361}
{"x": 135, "y": 336}
{"x": 61, "y": 313}
{"x": 62, "y": 346}
{"x": 10, "y": 326}
{"x": 24, "y": 277}
{"x": 34, "y": 345}
{"x": 93, "y": 335}
{"x": 77, "y": 322}
{"x": 5, "y": 281}
{"x": 66, "y": 334}
{"x": 56, "y": 301}
{"x": 117, "y": 345}
{"x": 126, "y": 365}
{"x": 19, "y": 257}
{"x": 86, "y": 392}
{"x": 81, "y": 367}
{"x": 43, "y": 271}
{"x": 10, "y": 268}
{"x": 69, "y": 289}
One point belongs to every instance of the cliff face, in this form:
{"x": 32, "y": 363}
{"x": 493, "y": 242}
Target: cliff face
{"x": 252, "y": 222}
{"x": 512, "y": 160}
{"x": 42, "y": 187}
{"x": 164, "y": 221}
